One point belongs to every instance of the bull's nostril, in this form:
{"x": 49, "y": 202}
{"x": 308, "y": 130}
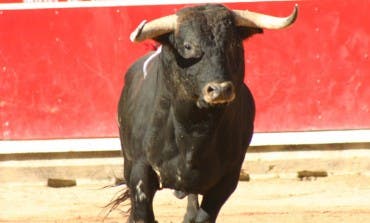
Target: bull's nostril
{"x": 210, "y": 89}
{"x": 228, "y": 89}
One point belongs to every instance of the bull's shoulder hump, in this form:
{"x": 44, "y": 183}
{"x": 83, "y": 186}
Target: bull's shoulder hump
{"x": 135, "y": 71}
{"x": 136, "y": 67}
{"x": 144, "y": 65}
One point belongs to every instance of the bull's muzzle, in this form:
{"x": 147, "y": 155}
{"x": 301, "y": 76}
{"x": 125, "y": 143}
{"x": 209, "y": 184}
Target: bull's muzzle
{"x": 218, "y": 93}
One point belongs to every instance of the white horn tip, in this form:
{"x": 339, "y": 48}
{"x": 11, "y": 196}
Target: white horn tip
{"x": 134, "y": 35}
{"x": 292, "y": 18}
{"x": 295, "y": 12}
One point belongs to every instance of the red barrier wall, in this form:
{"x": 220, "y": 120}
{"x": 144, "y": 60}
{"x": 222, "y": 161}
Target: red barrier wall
{"x": 61, "y": 69}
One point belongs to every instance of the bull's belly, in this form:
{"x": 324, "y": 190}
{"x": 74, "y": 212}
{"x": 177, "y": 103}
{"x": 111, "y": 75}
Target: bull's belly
{"x": 189, "y": 180}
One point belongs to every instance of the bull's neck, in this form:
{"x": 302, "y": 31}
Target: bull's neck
{"x": 193, "y": 118}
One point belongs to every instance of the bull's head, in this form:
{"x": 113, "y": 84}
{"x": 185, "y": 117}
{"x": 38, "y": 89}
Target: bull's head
{"x": 203, "y": 53}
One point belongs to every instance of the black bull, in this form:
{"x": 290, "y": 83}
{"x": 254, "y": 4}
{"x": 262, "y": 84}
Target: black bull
{"x": 185, "y": 115}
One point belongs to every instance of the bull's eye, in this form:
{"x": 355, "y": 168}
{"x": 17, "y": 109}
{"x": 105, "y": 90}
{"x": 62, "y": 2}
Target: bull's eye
{"x": 189, "y": 50}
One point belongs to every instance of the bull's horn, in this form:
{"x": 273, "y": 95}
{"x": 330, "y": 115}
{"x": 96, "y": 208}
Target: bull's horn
{"x": 154, "y": 28}
{"x": 258, "y": 20}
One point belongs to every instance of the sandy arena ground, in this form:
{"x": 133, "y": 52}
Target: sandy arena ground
{"x": 333, "y": 199}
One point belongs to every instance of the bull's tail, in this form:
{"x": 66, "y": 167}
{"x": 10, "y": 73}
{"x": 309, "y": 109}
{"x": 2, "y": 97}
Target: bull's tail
{"x": 119, "y": 198}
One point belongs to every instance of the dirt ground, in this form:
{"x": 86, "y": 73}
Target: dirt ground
{"x": 332, "y": 199}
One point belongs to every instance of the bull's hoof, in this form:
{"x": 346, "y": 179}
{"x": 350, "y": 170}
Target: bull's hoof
{"x": 130, "y": 220}
{"x": 203, "y": 217}
{"x": 189, "y": 218}
{"x": 140, "y": 221}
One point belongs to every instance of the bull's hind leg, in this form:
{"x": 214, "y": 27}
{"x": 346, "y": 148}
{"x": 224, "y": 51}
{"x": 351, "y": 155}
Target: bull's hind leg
{"x": 143, "y": 184}
{"x": 216, "y": 197}
{"x": 191, "y": 209}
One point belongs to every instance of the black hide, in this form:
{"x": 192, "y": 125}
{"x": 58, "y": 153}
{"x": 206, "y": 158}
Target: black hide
{"x": 171, "y": 136}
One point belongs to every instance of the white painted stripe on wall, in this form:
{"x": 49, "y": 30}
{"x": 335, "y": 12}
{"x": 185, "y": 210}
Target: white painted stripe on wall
{"x": 317, "y": 154}
{"x": 113, "y": 144}
{"x": 111, "y": 3}
{"x": 251, "y": 157}
{"x": 59, "y": 145}
{"x": 315, "y": 137}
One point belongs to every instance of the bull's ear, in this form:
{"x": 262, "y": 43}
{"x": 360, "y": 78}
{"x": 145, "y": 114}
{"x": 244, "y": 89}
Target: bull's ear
{"x": 246, "y": 32}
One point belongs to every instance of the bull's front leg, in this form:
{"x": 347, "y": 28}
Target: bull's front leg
{"x": 191, "y": 209}
{"x": 214, "y": 198}
{"x": 143, "y": 183}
